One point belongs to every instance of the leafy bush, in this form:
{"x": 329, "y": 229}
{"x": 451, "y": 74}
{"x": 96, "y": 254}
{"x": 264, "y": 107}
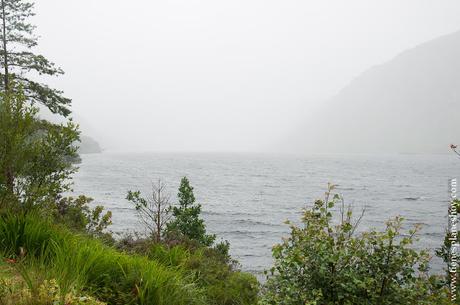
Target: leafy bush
{"x": 134, "y": 243}
{"x": 76, "y": 214}
{"x": 327, "y": 262}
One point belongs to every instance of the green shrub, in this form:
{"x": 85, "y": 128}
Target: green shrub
{"x": 134, "y": 243}
{"x": 327, "y": 262}
{"x": 77, "y": 215}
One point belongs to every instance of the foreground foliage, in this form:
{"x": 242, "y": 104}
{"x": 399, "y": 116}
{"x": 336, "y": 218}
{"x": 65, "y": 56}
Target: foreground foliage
{"x": 35, "y": 155}
{"x": 76, "y": 214}
{"x": 14, "y": 291}
{"x": 42, "y": 251}
{"x": 177, "y": 238}
{"x": 325, "y": 261}
{"x": 221, "y": 280}
{"x": 81, "y": 264}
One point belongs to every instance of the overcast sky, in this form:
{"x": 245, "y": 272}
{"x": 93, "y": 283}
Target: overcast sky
{"x": 220, "y": 75}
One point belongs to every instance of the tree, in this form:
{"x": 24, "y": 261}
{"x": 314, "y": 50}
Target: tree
{"x": 17, "y": 59}
{"x": 325, "y": 261}
{"x": 35, "y": 155}
{"x": 187, "y": 221}
{"x": 154, "y": 212}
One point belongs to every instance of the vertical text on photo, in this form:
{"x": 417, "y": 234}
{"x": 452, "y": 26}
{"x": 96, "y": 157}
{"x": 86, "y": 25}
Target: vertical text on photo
{"x": 453, "y": 239}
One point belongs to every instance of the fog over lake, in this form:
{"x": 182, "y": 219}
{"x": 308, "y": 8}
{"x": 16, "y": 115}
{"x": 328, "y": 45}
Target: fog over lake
{"x": 224, "y": 75}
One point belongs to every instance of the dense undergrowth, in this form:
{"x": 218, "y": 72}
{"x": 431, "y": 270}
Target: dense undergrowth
{"x": 39, "y": 251}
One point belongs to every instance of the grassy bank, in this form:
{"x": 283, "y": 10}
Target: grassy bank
{"x": 38, "y": 251}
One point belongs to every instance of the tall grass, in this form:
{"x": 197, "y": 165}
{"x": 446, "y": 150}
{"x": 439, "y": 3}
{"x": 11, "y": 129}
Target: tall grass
{"x": 80, "y": 263}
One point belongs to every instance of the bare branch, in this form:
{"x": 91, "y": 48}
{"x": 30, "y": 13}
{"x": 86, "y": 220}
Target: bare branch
{"x": 153, "y": 212}
{"x": 454, "y": 149}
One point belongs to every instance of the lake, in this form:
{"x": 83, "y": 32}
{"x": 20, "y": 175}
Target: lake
{"x": 247, "y": 197}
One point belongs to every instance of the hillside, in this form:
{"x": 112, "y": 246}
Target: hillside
{"x": 407, "y": 105}
{"x": 88, "y": 145}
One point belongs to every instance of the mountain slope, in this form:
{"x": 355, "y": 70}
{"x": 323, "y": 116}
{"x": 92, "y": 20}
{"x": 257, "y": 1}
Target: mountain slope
{"x": 410, "y": 104}
{"x": 88, "y": 145}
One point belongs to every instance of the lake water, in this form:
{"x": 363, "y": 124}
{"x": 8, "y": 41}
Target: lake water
{"x": 247, "y": 197}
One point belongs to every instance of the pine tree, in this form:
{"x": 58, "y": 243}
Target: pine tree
{"x": 187, "y": 216}
{"x": 18, "y": 60}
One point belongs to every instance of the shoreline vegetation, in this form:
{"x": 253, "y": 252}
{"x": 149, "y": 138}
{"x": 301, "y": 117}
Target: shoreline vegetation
{"x": 59, "y": 250}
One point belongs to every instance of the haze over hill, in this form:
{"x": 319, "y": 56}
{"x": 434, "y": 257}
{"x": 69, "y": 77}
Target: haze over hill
{"x": 220, "y": 76}
{"x": 410, "y": 104}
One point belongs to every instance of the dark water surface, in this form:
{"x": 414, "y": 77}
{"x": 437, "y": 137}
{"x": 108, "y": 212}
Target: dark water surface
{"x": 247, "y": 197}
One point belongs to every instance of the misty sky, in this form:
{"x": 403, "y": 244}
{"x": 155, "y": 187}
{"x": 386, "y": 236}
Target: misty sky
{"x": 220, "y": 75}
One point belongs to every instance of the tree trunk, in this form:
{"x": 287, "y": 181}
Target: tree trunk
{"x": 159, "y": 215}
{"x": 5, "y": 53}
{"x": 9, "y": 180}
